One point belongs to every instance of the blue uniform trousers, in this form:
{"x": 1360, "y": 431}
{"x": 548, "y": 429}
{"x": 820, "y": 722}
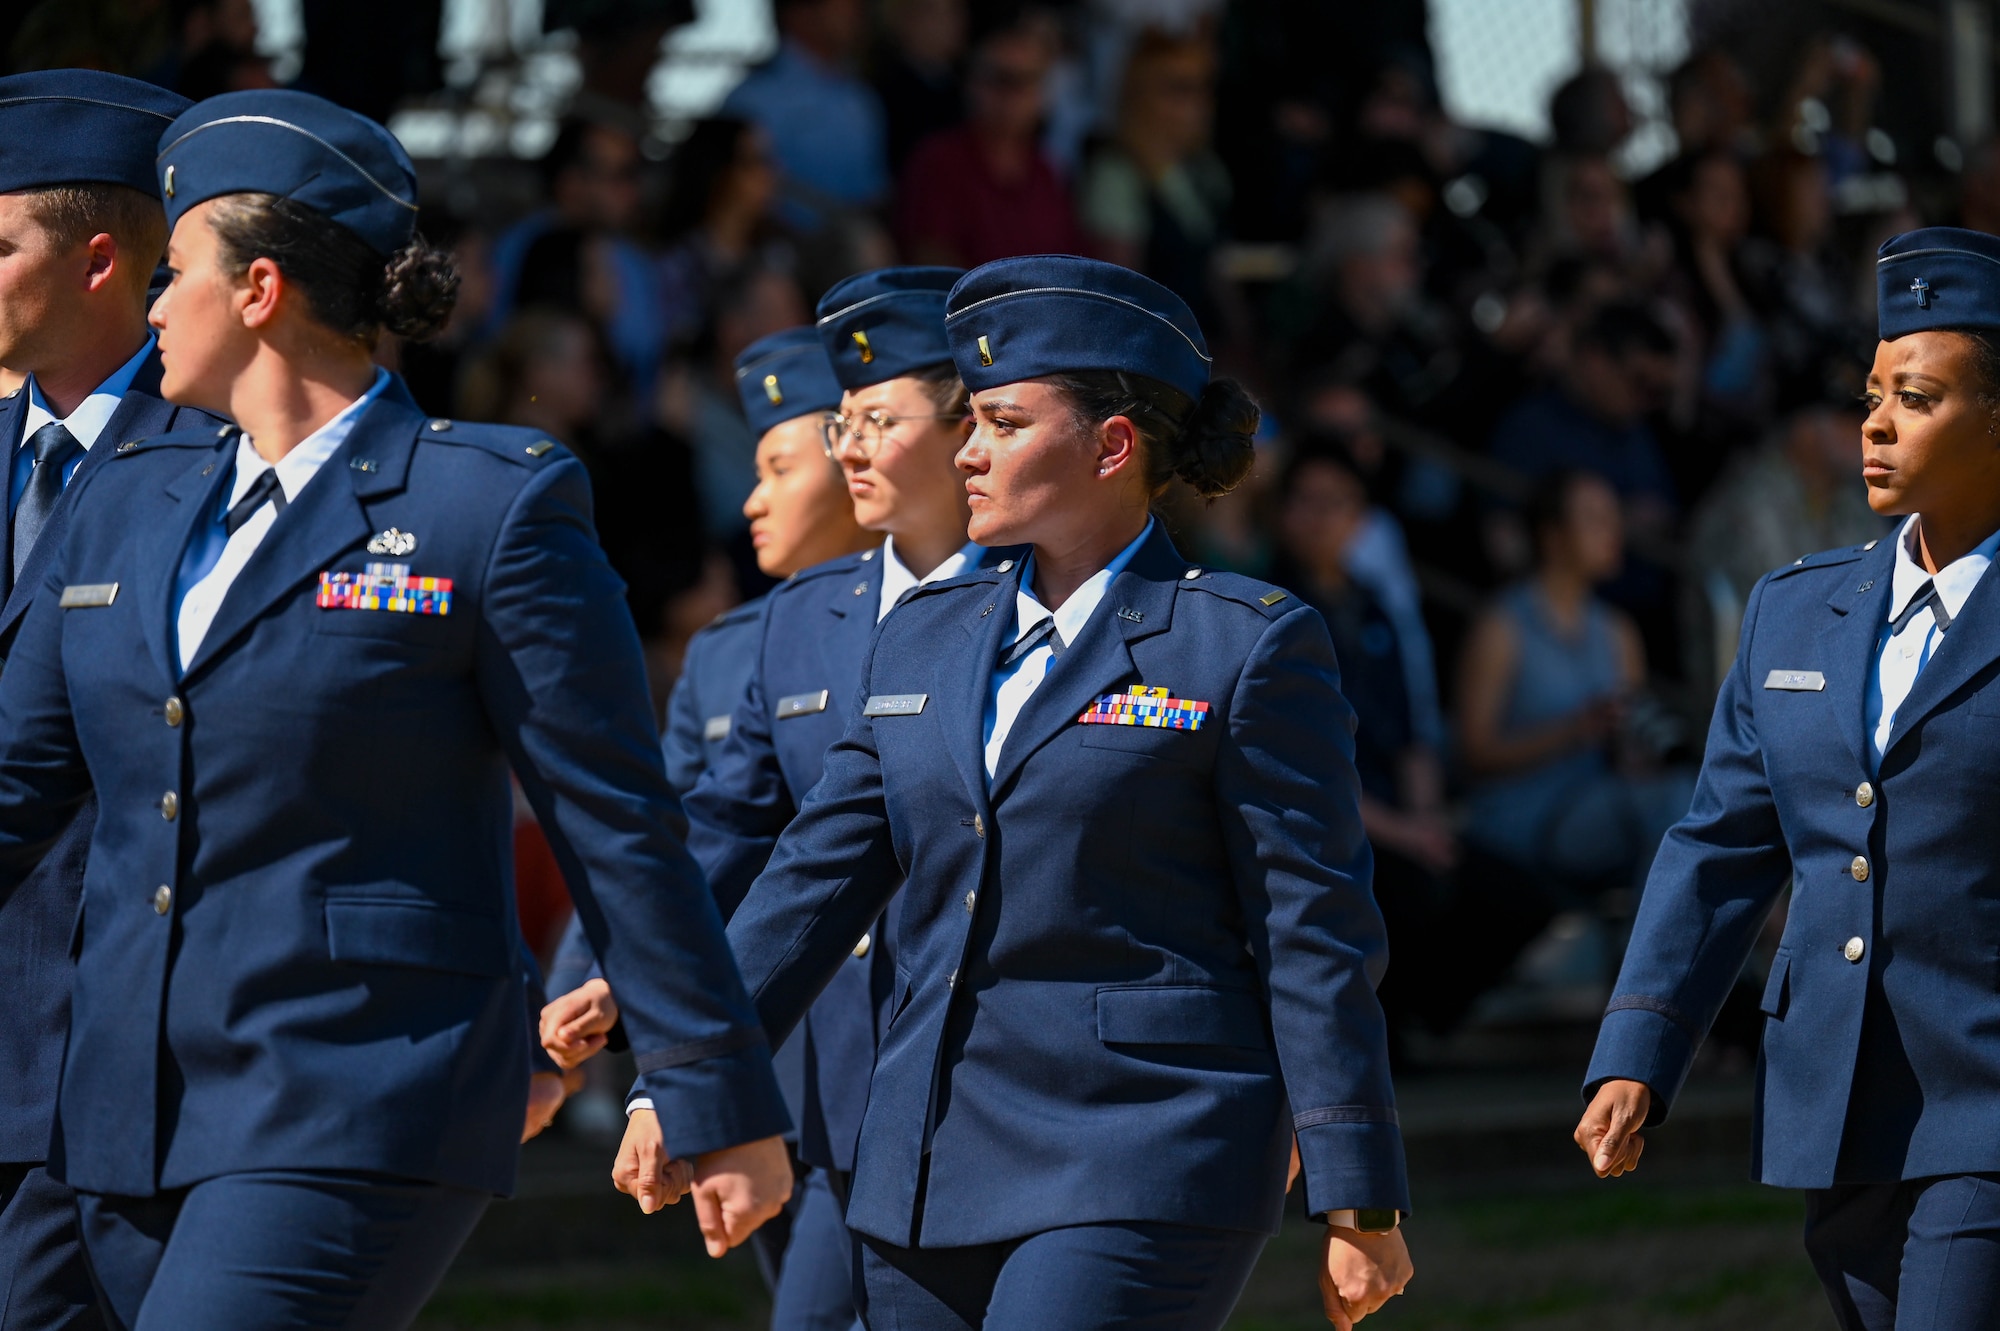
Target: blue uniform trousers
{"x": 44, "y": 1282}
{"x": 816, "y": 1290}
{"x": 1919, "y": 1255}
{"x": 1134, "y": 1275}
{"x": 256, "y": 1251}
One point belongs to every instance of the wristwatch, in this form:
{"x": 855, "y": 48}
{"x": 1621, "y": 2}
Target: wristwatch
{"x": 1366, "y": 1219}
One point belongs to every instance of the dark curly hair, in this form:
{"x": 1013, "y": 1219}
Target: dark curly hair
{"x": 1205, "y": 442}
{"x": 351, "y": 288}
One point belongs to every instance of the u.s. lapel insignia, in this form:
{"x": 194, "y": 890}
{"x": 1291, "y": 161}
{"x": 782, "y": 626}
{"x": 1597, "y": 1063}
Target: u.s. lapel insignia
{"x": 1143, "y": 706}
{"x": 393, "y": 542}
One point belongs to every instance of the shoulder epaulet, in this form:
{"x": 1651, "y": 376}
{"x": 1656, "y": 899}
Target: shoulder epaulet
{"x": 207, "y": 436}
{"x": 838, "y": 566}
{"x": 1825, "y": 559}
{"x": 1272, "y": 602}
{"x": 518, "y": 444}
{"x": 735, "y": 614}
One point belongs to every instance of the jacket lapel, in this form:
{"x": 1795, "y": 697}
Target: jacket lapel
{"x": 1138, "y": 604}
{"x": 1860, "y": 605}
{"x": 322, "y": 523}
{"x": 851, "y": 618}
{"x": 1972, "y": 644}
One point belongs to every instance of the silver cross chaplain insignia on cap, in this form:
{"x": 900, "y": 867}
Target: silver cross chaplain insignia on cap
{"x": 1922, "y": 291}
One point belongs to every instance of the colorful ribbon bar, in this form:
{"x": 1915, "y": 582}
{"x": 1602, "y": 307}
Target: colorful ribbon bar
{"x": 1146, "y": 707}
{"x": 385, "y": 587}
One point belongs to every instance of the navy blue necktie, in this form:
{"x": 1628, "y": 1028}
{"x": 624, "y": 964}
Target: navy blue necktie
{"x": 264, "y": 488}
{"x": 1033, "y": 638}
{"x": 54, "y": 446}
{"x": 1926, "y": 598}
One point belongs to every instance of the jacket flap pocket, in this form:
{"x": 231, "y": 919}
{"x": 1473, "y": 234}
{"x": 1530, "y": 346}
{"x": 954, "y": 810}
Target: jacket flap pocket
{"x": 409, "y": 933}
{"x": 1186, "y": 1014}
{"x": 1777, "y": 988}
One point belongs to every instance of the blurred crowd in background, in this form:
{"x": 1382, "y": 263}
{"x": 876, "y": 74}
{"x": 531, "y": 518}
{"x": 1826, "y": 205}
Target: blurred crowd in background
{"x": 1535, "y": 421}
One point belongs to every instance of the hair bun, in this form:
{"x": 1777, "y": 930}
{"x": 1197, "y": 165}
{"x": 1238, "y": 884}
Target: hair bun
{"x": 1217, "y": 445}
{"x": 419, "y": 289}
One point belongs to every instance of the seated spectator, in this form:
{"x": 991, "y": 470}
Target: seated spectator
{"x": 918, "y": 71}
{"x": 1710, "y": 221}
{"x": 1156, "y": 198}
{"x": 717, "y": 217}
{"x": 986, "y": 190}
{"x": 590, "y": 176}
{"x": 1565, "y": 780}
{"x": 1593, "y": 418}
{"x": 1452, "y": 935}
{"x": 825, "y": 123}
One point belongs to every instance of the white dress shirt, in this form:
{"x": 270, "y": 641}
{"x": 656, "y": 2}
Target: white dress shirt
{"x": 84, "y": 424}
{"x": 215, "y": 557}
{"x": 897, "y": 577}
{"x": 1014, "y": 684}
{"x": 1899, "y": 657}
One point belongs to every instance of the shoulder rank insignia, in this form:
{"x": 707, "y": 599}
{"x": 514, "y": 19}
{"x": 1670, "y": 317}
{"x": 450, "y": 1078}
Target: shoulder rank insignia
{"x": 1142, "y": 706}
{"x": 384, "y": 587}
{"x": 392, "y": 542}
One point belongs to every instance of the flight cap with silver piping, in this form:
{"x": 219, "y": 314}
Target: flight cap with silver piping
{"x": 341, "y": 165}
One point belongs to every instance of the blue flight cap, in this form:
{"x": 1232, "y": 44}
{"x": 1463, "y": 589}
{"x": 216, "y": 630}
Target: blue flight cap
{"x": 1939, "y": 277}
{"x": 81, "y": 126}
{"x": 1016, "y": 319}
{"x": 885, "y": 324}
{"x": 785, "y": 375}
{"x": 343, "y": 166}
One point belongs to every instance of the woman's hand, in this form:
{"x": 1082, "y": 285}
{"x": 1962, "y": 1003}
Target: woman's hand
{"x": 1609, "y": 1130}
{"x": 1361, "y": 1273}
{"x": 574, "y": 1026}
{"x": 644, "y": 1170}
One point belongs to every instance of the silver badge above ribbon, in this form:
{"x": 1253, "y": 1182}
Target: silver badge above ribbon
{"x": 392, "y": 542}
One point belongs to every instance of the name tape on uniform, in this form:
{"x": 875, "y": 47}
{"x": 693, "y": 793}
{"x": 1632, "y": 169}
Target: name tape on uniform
{"x": 1796, "y": 681}
{"x": 802, "y": 704}
{"x": 895, "y": 704}
{"x": 384, "y": 587}
{"x": 1143, "y": 706}
{"x": 715, "y": 728}
{"x": 89, "y": 595}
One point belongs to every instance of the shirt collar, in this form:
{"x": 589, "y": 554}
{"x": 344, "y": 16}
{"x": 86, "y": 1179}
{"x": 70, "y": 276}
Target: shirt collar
{"x": 1076, "y": 611}
{"x": 897, "y": 578}
{"x": 1955, "y": 580}
{"x": 302, "y": 463}
{"x": 95, "y": 411}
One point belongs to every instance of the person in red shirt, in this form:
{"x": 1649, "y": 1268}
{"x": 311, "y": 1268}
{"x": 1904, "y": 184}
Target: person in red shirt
{"x": 985, "y": 190}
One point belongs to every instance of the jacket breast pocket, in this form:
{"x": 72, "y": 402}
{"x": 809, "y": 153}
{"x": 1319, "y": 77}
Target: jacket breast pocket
{"x": 410, "y": 933}
{"x": 1778, "y": 989}
{"x": 1182, "y": 1014}
{"x": 1189, "y": 747}
{"x": 420, "y": 631}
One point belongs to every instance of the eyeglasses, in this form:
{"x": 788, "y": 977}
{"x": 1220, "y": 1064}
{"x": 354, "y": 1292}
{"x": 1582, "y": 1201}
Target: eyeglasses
{"x": 866, "y": 433}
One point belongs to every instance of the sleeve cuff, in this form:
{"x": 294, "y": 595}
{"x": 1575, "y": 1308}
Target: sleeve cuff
{"x": 1642, "y": 1040}
{"x": 718, "y": 1102}
{"x": 1352, "y": 1164}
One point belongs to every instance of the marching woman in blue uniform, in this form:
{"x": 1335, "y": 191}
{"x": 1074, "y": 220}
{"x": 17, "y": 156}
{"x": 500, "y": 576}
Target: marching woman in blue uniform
{"x": 903, "y": 419}
{"x": 799, "y": 516}
{"x": 1854, "y": 751}
{"x": 1136, "y": 947}
{"x": 295, "y": 663}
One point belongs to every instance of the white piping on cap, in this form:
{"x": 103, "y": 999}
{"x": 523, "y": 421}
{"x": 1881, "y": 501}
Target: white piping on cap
{"x": 1206, "y": 359}
{"x": 286, "y": 124}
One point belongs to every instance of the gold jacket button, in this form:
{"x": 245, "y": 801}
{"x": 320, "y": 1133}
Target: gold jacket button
{"x": 1864, "y": 794}
{"x": 163, "y": 899}
{"x": 1859, "y": 868}
{"x": 861, "y": 948}
{"x": 970, "y": 899}
{"x": 1854, "y": 950}
{"x": 175, "y": 711}
{"x": 978, "y": 826}
{"x": 170, "y": 806}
